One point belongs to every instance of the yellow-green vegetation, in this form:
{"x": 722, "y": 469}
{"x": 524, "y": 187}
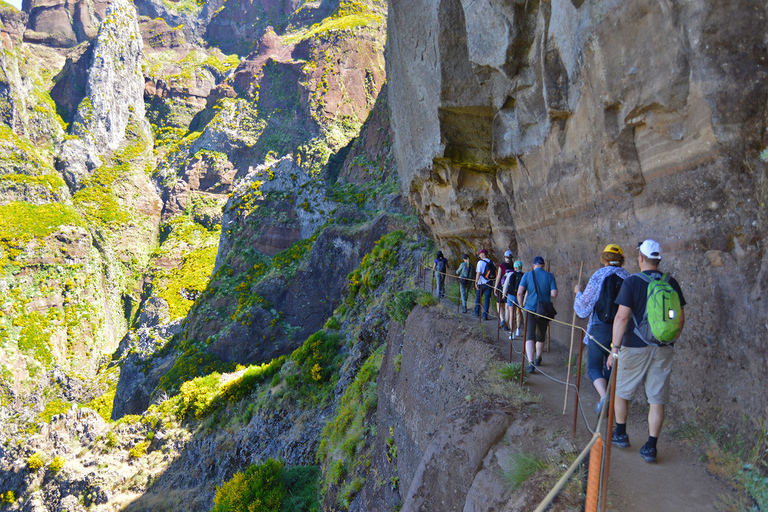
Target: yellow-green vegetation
{"x": 21, "y": 222}
{"x": 103, "y": 404}
{"x": 196, "y": 247}
{"x": 740, "y": 460}
{"x": 191, "y": 278}
{"x": 57, "y": 464}
{"x": 53, "y": 408}
{"x": 317, "y": 361}
{"x": 270, "y": 487}
{"x": 345, "y": 437}
{"x": 8, "y": 497}
{"x": 350, "y": 15}
{"x": 375, "y": 265}
{"x": 35, "y": 461}
{"x": 194, "y": 361}
{"x": 98, "y": 200}
{"x": 139, "y": 450}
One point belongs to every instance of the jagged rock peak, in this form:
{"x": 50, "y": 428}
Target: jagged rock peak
{"x": 115, "y": 87}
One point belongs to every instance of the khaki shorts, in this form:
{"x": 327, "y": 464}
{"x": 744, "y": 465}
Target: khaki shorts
{"x": 650, "y": 365}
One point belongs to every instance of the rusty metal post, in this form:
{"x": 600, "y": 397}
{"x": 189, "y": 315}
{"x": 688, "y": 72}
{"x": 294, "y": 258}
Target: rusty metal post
{"x": 609, "y": 432}
{"x": 548, "y": 337}
{"x": 578, "y": 384}
{"x": 525, "y": 333}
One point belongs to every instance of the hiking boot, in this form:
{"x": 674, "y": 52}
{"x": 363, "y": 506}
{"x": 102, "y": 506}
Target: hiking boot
{"x": 622, "y": 441}
{"x": 465, "y": 310}
{"x": 537, "y": 361}
{"x": 599, "y": 406}
{"x": 531, "y": 368}
{"x": 649, "y": 454}
{"x": 485, "y": 317}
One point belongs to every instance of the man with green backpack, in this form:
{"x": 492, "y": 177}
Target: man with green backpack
{"x": 648, "y": 322}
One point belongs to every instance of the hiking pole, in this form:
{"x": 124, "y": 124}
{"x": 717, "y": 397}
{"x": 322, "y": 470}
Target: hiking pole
{"x": 609, "y": 426}
{"x": 570, "y": 351}
{"x": 578, "y": 384}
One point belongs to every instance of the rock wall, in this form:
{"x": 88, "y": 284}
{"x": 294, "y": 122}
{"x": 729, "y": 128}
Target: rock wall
{"x": 557, "y": 127}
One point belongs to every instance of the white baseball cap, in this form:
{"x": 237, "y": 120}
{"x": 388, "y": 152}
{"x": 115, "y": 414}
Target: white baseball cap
{"x": 650, "y": 249}
{"x": 508, "y": 254}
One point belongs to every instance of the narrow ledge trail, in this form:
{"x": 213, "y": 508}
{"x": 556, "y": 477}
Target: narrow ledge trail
{"x": 678, "y": 482}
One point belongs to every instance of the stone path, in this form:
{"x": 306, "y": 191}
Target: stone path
{"x": 678, "y": 482}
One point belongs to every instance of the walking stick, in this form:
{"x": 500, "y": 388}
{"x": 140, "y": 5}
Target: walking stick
{"x": 578, "y": 385}
{"x": 570, "y": 351}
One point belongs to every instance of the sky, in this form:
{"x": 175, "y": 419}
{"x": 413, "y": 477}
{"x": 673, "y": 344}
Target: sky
{"x": 15, "y": 3}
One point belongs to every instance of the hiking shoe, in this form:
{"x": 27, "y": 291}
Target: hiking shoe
{"x": 517, "y": 333}
{"x": 465, "y": 310}
{"x": 531, "y": 368}
{"x": 649, "y": 454}
{"x": 599, "y": 406}
{"x": 622, "y": 441}
{"x": 537, "y": 361}
{"x": 485, "y": 317}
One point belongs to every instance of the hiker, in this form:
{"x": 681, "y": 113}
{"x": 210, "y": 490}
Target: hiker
{"x": 648, "y": 321}
{"x": 440, "y": 267}
{"x": 514, "y": 313}
{"x": 541, "y": 280}
{"x": 498, "y": 288}
{"x": 485, "y": 274}
{"x": 597, "y": 302}
{"x": 464, "y": 272}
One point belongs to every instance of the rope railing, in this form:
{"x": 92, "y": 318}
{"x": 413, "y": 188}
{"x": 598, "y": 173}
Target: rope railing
{"x": 599, "y": 451}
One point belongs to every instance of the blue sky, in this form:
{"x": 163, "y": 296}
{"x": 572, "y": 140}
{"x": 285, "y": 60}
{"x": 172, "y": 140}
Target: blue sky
{"x": 15, "y": 3}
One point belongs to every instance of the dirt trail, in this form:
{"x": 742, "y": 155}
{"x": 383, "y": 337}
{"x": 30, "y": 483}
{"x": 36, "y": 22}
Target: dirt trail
{"x": 678, "y": 482}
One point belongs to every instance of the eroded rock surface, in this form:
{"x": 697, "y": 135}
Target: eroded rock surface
{"x": 583, "y": 124}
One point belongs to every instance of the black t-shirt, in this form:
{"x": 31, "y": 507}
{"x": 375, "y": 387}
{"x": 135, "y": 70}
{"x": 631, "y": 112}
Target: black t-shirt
{"x": 634, "y": 294}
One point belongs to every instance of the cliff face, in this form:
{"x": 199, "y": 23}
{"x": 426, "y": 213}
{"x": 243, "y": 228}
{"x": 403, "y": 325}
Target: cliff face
{"x": 555, "y": 128}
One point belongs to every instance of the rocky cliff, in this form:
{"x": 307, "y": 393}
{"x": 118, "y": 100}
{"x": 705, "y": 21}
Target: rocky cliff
{"x": 555, "y": 128}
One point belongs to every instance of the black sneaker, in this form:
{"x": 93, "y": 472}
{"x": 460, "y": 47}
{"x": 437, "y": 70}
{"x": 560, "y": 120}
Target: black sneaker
{"x": 622, "y": 441}
{"x": 649, "y": 454}
{"x": 537, "y": 361}
{"x": 531, "y": 368}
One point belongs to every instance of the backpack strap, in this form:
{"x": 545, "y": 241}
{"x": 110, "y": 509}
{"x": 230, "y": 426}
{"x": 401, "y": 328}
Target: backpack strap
{"x": 645, "y": 277}
{"x": 536, "y": 286}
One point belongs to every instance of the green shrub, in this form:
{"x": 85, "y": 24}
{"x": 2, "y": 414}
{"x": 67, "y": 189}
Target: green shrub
{"x": 35, "y": 461}
{"x": 332, "y": 324}
{"x": 510, "y": 371}
{"x": 237, "y": 389}
{"x": 198, "y": 394}
{"x": 755, "y": 484}
{"x": 522, "y": 468}
{"x": 8, "y": 497}
{"x": 139, "y": 450}
{"x": 56, "y": 464}
{"x": 427, "y": 300}
{"x": 257, "y": 488}
{"x": 111, "y": 439}
{"x": 302, "y": 484}
{"x": 401, "y": 305}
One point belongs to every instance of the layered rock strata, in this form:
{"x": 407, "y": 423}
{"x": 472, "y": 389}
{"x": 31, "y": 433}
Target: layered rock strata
{"x": 555, "y": 128}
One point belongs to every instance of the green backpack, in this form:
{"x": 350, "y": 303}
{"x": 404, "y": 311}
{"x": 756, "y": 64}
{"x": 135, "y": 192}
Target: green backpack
{"x": 661, "y": 321}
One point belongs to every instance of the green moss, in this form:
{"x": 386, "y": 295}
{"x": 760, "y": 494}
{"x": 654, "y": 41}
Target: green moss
{"x": 100, "y": 205}
{"x": 344, "y": 437}
{"x": 350, "y": 15}
{"x": 21, "y": 222}
{"x": 53, "y": 408}
{"x": 191, "y": 278}
{"x": 260, "y": 487}
{"x": 52, "y": 182}
{"x": 193, "y": 362}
